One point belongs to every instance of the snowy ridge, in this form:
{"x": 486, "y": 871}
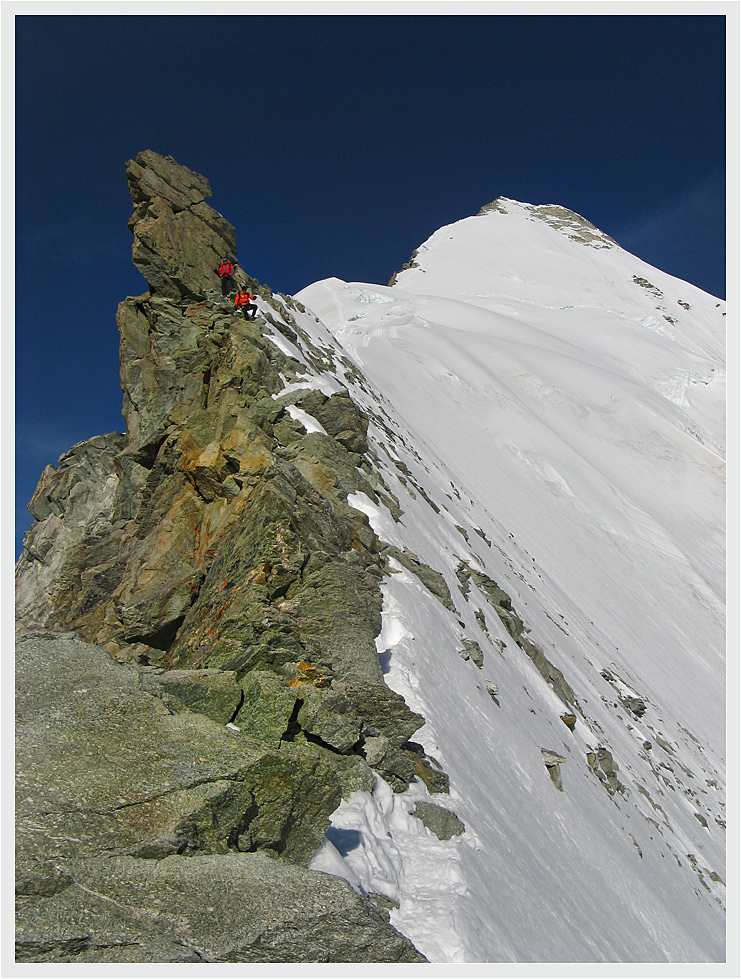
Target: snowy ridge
{"x": 547, "y": 420}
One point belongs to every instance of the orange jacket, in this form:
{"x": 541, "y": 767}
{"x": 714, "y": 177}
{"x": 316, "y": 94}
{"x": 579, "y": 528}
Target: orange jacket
{"x": 242, "y": 298}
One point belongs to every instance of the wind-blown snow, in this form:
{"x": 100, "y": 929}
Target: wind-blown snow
{"x": 549, "y": 410}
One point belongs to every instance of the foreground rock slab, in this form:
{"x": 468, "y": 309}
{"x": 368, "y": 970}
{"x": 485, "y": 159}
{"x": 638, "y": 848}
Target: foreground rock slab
{"x": 238, "y": 907}
{"x": 102, "y": 765}
{"x": 131, "y": 819}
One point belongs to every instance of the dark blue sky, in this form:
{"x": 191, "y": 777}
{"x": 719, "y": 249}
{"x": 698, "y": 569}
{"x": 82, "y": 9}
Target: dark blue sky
{"x": 335, "y": 145}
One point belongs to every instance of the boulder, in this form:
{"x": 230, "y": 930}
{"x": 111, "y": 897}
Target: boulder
{"x": 636, "y": 705}
{"x": 569, "y": 720}
{"x": 440, "y": 821}
{"x": 493, "y": 690}
{"x": 328, "y": 716}
{"x": 471, "y": 650}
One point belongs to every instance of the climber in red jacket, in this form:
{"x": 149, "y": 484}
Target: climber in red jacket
{"x": 225, "y": 273}
{"x": 245, "y": 301}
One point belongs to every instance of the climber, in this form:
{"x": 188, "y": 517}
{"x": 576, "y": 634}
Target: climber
{"x": 245, "y": 301}
{"x": 226, "y": 273}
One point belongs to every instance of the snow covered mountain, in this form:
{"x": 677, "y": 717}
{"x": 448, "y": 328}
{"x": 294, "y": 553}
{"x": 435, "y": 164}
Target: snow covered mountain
{"x": 549, "y": 412}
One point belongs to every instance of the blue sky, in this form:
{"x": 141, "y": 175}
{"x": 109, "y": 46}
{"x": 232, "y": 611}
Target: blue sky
{"x": 335, "y": 145}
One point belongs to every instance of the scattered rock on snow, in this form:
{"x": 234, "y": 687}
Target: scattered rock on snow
{"x": 493, "y": 690}
{"x": 553, "y": 762}
{"x": 440, "y": 821}
{"x": 471, "y": 650}
{"x": 635, "y": 705}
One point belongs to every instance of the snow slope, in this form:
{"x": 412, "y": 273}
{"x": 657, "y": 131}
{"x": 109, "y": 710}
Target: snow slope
{"x": 548, "y": 415}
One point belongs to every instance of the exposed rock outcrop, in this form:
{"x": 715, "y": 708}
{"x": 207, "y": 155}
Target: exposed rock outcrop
{"x": 212, "y": 550}
{"x": 502, "y": 605}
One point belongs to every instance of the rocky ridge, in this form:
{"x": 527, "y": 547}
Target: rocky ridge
{"x": 228, "y": 691}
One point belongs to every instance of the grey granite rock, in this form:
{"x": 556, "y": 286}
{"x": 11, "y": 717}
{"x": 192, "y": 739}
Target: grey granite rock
{"x": 235, "y": 907}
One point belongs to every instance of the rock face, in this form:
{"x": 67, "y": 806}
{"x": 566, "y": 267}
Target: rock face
{"x": 212, "y": 553}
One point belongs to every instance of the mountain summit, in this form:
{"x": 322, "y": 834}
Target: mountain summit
{"x": 415, "y": 589}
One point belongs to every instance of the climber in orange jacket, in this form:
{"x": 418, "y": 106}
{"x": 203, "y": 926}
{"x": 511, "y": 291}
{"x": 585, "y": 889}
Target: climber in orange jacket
{"x": 245, "y": 301}
{"x": 225, "y": 272}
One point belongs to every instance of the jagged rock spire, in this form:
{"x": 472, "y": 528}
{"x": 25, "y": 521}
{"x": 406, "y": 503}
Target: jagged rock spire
{"x": 179, "y": 240}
